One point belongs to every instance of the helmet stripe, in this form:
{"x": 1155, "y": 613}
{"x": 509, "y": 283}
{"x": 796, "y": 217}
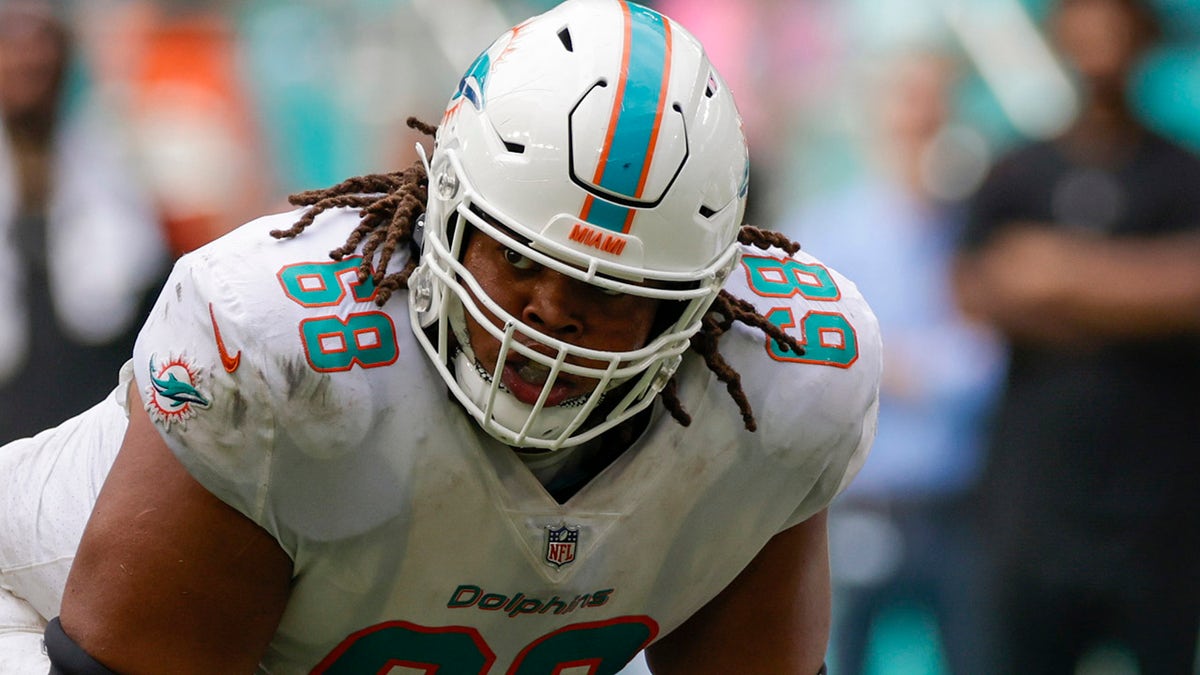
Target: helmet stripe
{"x": 664, "y": 79}
{"x": 636, "y": 117}
{"x": 606, "y": 214}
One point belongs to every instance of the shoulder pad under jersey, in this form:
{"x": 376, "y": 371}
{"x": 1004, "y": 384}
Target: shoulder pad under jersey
{"x": 825, "y": 400}
{"x": 257, "y": 342}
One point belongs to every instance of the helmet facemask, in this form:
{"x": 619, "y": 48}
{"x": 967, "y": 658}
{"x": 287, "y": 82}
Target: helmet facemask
{"x": 506, "y": 164}
{"x": 625, "y": 382}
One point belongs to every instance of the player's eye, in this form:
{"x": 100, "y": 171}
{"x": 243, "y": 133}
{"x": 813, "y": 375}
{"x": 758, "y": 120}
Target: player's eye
{"x": 517, "y": 260}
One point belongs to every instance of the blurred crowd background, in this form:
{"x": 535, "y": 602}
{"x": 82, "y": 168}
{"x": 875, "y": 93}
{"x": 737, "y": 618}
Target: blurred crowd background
{"x": 137, "y": 130}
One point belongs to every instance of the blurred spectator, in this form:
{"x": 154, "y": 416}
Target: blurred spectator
{"x": 903, "y": 535}
{"x": 176, "y": 70}
{"x": 1085, "y": 251}
{"x": 80, "y": 248}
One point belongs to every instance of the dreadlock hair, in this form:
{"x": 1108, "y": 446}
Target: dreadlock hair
{"x": 389, "y": 205}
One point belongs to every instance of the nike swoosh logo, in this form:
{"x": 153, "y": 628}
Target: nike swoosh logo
{"x": 230, "y": 363}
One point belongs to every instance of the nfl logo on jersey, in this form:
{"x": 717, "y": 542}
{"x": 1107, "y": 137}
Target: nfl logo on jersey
{"x": 560, "y": 544}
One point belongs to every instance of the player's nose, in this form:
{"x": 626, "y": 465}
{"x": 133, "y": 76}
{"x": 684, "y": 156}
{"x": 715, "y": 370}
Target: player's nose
{"x": 556, "y": 306}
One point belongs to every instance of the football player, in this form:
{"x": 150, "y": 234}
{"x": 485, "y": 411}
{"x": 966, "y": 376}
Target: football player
{"x": 603, "y": 418}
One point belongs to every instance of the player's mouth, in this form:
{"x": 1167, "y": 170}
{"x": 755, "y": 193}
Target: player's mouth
{"x": 526, "y": 379}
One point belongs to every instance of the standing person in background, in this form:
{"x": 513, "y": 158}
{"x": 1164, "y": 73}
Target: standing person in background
{"x": 195, "y": 125}
{"x": 80, "y": 248}
{"x": 1085, "y": 251}
{"x": 903, "y": 536}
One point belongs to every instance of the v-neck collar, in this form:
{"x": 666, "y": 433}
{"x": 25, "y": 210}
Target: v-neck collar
{"x": 609, "y": 490}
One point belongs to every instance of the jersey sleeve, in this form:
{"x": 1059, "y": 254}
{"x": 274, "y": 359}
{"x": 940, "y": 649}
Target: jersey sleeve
{"x": 267, "y": 367}
{"x": 817, "y": 411}
{"x": 202, "y": 380}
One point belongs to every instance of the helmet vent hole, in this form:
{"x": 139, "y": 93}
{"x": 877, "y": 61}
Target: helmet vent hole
{"x": 564, "y": 36}
{"x": 711, "y": 89}
{"x": 515, "y": 148}
{"x": 706, "y": 212}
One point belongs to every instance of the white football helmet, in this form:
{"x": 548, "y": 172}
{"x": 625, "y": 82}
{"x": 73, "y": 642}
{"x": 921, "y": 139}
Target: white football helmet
{"x": 603, "y": 141}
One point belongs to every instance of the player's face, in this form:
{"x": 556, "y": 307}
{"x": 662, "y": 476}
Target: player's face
{"x": 558, "y": 306}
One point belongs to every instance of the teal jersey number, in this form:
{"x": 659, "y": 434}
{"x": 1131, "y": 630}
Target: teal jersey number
{"x": 784, "y": 278}
{"x": 367, "y": 339}
{"x": 447, "y": 651}
{"x": 828, "y": 338}
{"x": 603, "y": 646}
{"x": 333, "y": 343}
{"x": 324, "y": 284}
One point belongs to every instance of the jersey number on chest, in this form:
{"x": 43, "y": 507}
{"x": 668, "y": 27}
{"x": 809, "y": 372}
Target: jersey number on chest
{"x": 601, "y": 647}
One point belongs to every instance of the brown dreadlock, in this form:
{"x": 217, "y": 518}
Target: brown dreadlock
{"x": 389, "y": 205}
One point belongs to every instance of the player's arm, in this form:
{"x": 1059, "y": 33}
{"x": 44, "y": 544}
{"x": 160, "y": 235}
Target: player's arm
{"x": 774, "y": 618}
{"x": 169, "y": 579}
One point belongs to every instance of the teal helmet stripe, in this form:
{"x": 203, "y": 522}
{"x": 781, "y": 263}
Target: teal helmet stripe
{"x": 637, "y": 115}
{"x": 608, "y": 215}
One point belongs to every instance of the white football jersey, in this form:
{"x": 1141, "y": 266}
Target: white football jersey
{"x": 417, "y": 540}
